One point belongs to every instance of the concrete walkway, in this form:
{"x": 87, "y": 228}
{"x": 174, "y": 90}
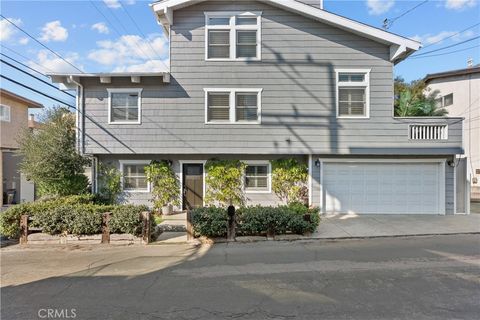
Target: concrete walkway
{"x": 360, "y": 226}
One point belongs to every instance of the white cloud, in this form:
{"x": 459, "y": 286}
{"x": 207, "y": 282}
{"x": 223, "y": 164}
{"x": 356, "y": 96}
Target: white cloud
{"x": 52, "y": 63}
{"x": 113, "y": 4}
{"x": 460, "y": 4}
{"x": 427, "y": 39}
{"x": 24, "y": 41}
{"x": 53, "y": 31}
{"x": 377, "y": 7}
{"x": 101, "y": 27}
{"x": 131, "y": 52}
{"x": 150, "y": 66}
{"x": 7, "y": 30}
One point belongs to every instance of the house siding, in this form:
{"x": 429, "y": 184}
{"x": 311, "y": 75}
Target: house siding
{"x": 296, "y": 73}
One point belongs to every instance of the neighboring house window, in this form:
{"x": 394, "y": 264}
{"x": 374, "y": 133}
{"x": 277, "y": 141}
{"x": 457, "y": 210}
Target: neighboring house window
{"x": 257, "y": 177}
{"x": 444, "y": 101}
{"x": 353, "y": 93}
{"x": 233, "y": 35}
{"x": 233, "y": 106}
{"x": 134, "y": 177}
{"x": 4, "y": 113}
{"x": 124, "y": 106}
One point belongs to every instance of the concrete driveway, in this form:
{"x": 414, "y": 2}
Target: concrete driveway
{"x": 354, "y": 226}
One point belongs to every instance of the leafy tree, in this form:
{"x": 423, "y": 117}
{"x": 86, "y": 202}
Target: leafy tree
{"x": 289, "y": 180}
{"x": 109, "y": 183}
{"x": 165, "y": 185}
{"x": 49, "y": 157}
{"x": 224, "y": 182}
{"x": 411, "y": 100}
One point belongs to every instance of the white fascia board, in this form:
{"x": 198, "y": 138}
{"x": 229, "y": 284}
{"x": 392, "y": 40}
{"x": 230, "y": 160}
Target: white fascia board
{"x": 402, "y": 46}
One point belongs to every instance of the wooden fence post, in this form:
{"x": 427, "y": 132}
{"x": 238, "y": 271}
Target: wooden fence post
{"x": 146, "y": 217}
{"x": 23, "y": 229}
{"x": 105, "y": 227}
{"x": 190, "y": 235}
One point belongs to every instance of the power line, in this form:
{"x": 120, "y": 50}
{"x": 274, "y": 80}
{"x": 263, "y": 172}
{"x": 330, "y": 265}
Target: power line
{"x": 387, "y": 23}
{"x": 445, "y": 53}
{"x": 446, "y": 47}
{"x": 37, "y": 78}
{"x": 105, "y": 17}
{"x": 451, "y": 36}
{"x": 36, "y": 91}
{"x": 139, "y": 30}
{"x": 24, "y": 65}
{"x": 28, "y": 59}
{"x": 32, "y": 37}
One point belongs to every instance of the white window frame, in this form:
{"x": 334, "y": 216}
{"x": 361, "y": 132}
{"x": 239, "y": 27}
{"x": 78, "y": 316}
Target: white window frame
{"x": 133, "y": 162}
{"x": 232, "y": 104}
{"x": 125, "y": 90}
{"x": 365, "y": 84}
{"x": 269, "y": 175}
{"x": 233, "y": 28}
{"x": 8, "y": 118}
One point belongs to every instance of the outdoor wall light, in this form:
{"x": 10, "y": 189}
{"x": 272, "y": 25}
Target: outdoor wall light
{"x": 317, "y": 163}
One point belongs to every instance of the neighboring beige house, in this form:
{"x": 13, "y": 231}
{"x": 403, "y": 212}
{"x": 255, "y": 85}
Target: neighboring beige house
{"x": 459, "y": 92}
{"x": 13, "y": 119}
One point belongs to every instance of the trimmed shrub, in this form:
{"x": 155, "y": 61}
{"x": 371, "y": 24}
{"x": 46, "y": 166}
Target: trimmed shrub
{"x": 72, "y": 215}
{"x": 256, "y": 220}
{"x": 210, "y": 222}
{"x": 127, "y": 219}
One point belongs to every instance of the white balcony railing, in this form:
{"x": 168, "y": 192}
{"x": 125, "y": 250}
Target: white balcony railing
{"x": 428, "y": 132}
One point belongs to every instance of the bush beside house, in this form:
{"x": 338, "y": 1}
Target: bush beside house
{"x": 256, "y": 220}
{"x": 77, "y": 215}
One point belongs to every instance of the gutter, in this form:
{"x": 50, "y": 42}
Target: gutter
{"x": 79, "y": 116}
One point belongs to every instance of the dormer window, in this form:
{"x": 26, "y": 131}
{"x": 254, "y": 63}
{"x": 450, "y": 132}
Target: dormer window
{"x": 232, "y": 36}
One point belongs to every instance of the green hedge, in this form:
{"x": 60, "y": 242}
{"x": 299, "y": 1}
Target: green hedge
{"x": 256, "y": 220}
{"x": 77, "y": 215}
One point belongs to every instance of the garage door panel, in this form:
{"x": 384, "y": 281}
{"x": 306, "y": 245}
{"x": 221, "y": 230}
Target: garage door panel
{"x": 382, "y": 188}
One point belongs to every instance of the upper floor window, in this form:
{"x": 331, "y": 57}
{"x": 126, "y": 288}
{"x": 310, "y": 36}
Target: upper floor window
{"x": 233, "y": 105}
{"x": 134, "y": 177}
{"x": 4, "y": 113}
{"x": 445, "y": 101}
{"x": 353, "y": 93}
{"x": 233, "y": 35}
{"x": 124, "y": 106}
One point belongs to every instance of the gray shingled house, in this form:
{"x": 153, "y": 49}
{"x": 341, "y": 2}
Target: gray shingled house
{"x": 261, "y": 80}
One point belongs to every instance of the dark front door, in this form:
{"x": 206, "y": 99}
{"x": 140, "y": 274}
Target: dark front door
{"x": 192, "y": 185}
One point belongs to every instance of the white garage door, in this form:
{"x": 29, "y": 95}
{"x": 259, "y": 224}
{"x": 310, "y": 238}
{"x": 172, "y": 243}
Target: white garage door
{"x": 383, "y": 188}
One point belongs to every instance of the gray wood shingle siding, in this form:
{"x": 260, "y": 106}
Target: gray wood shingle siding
{"x": 299, "y": 56}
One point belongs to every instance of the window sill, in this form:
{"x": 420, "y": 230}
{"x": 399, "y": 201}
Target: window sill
{"x": 353, "y": 117}
{"x": 233, "y": 123}
{"x": 258, "y": 191}
{"x": 231, "y": 60}
{"x": 136, "y": 191}
{"x": 124, "y": 123}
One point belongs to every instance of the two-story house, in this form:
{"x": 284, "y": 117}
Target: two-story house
{"x": 459, "y": 93}
{"x": 261, "y": 80}
{"x": 14, "y": 118}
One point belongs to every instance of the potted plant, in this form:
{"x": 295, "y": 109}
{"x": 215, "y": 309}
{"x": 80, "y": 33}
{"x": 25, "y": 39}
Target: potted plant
{"x": 165, "y": 186}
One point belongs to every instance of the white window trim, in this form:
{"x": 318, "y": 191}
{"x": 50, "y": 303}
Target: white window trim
{"x": 365, "y": 84}
{"x": 9, "y": 113}
{"x": 233, "y": 92}
{"x": 136, "y": 162}
{"x": 124, "y": 90}
{"x": 232, "y": 27}
{"x": 269, "y": 175}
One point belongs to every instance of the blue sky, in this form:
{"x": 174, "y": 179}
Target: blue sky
{"x": 99, "y": 36}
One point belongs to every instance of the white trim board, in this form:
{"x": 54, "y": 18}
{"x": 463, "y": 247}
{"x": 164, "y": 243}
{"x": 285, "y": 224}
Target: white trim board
{"x": 400, "y": 47}
{"x": 137, "y": 162}
{"x": 269, "y": 176}
{"x": 125, "y": 90}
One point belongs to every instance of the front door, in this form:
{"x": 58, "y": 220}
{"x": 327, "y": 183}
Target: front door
{"x": 192, "y": 185}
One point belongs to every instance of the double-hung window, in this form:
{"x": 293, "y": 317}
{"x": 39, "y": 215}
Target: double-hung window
{"x": 4, "y": 113}
{"x": 257, "y": 177}
{"x": 233, "y": 105}
{"x": 134, "y": 177}
{"x": 444, "y": 101}
{"x": 124, "y": 106}
{"x": 233, "y": 35}
{"x": 353, "y": 93}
